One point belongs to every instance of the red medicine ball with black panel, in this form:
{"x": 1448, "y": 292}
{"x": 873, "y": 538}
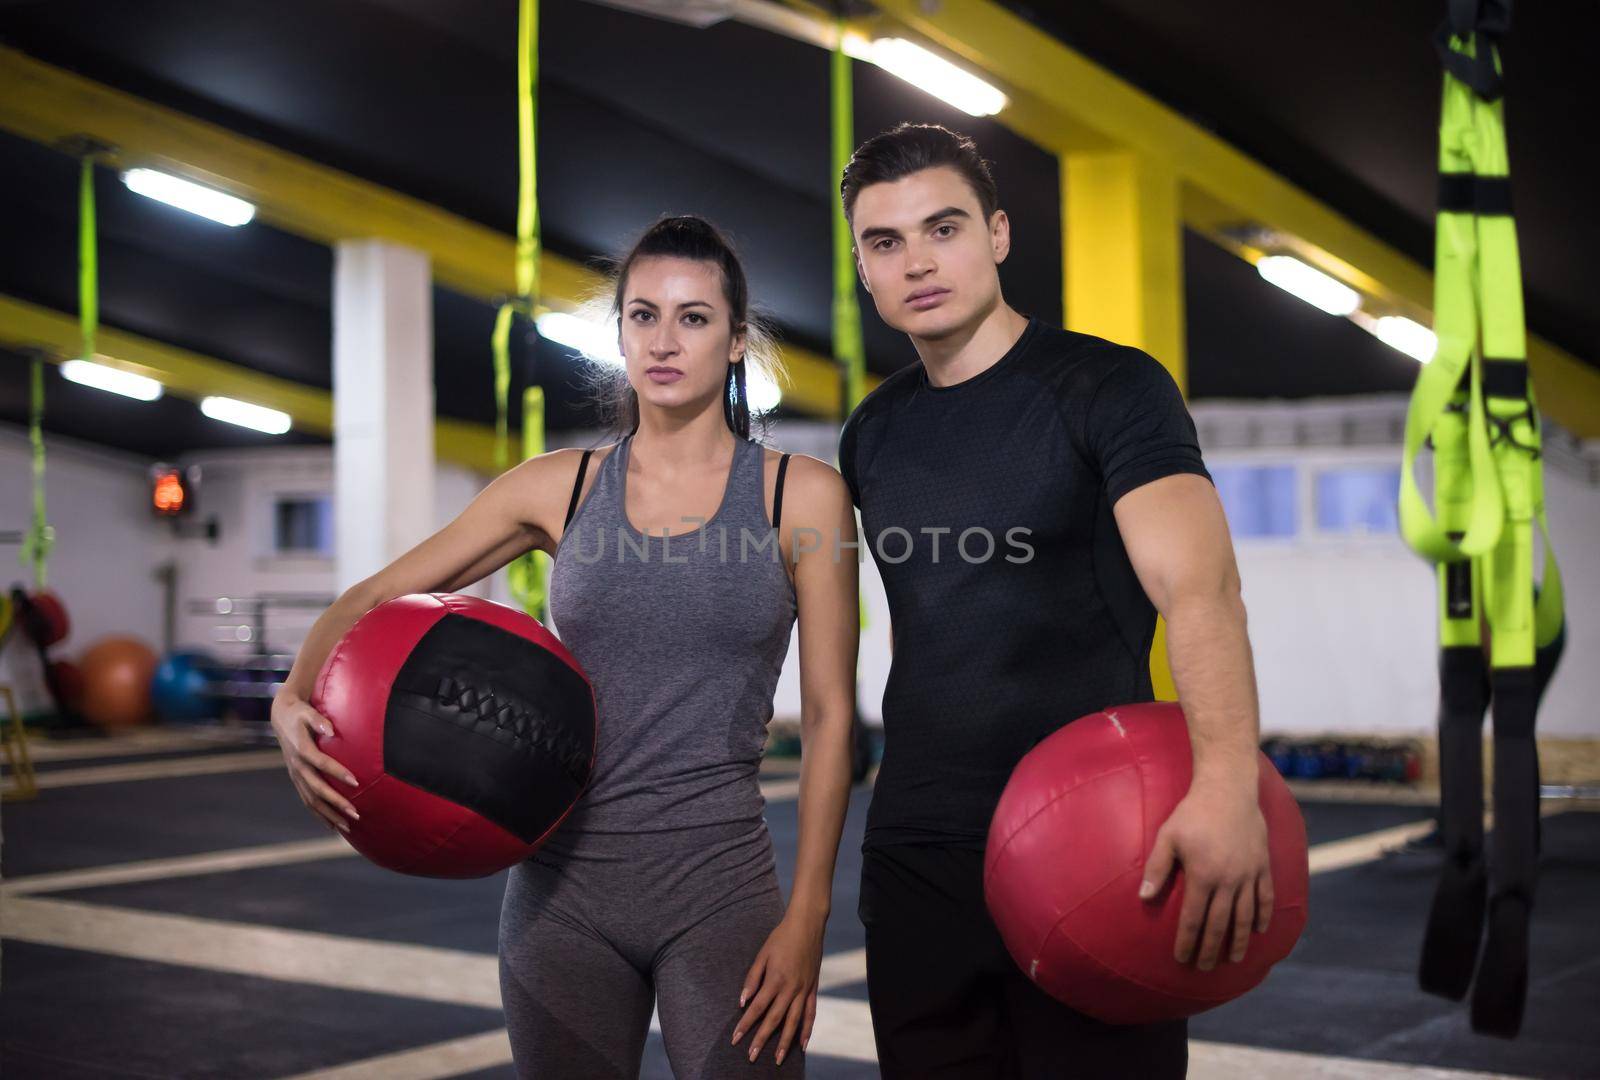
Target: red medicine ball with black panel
{"x": 468, "y": 726}
{"x": 1066, "y": 855}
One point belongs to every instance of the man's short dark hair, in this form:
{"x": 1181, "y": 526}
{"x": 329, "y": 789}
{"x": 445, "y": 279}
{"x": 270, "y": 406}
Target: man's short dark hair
{"x": 909, "y": 148}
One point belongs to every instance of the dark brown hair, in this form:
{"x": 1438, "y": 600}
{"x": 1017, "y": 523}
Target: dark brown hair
{"x": 687, "y": 236}
{"x": 909, "y": 148}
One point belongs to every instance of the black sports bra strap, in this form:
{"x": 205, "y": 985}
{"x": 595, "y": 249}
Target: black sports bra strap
{"x": 777, "y": 495}
{"x": 572, "y": 507}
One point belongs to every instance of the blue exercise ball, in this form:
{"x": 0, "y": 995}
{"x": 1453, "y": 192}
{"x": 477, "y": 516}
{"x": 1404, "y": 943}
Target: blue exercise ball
{"x": 181, "y": 687}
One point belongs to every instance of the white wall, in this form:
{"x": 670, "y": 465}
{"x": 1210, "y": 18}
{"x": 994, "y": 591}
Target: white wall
{"x": 821, "y": 441}
{"x": 107, "y": 547}
{"x": 1344, "y": 629}
{"x": 240, "y": 487}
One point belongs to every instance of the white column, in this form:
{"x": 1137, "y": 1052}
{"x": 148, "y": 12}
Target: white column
{"x": 382, "y": 405}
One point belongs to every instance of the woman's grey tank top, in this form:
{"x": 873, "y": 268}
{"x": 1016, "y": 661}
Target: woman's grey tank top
{"x": 683, "y": 639}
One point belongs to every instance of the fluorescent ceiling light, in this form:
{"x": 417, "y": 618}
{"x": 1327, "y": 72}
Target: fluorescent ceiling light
{"x": 1309, "y": 284}
{"x": 245, "y": 414}
{"x": 105, "y": 377}
{"x": 1411, "y": 338}
{"x": 597, "y": 341}
{"x": 929, "y": 72}
{"x": 186, "y": 195}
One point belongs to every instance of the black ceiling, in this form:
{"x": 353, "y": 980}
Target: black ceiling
{"x": 640, "y": 117}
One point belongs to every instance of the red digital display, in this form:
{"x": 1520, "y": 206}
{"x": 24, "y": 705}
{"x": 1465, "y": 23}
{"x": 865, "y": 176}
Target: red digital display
{"x": 169, "y": 494}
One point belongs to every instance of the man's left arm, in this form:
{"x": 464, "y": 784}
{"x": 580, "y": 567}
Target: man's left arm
{"x": 1177, "y": 539}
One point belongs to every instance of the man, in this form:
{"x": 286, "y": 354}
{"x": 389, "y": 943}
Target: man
{"x": 1079, "y": 459}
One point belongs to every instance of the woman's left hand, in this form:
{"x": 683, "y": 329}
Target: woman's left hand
{"x": 783, "y": 985}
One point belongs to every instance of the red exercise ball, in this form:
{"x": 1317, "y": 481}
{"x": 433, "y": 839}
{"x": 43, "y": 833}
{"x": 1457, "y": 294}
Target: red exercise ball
{"x": 1066, "y": 854}
{"x": 469, "y": 728}
{"x": 69, "y": 681}
{"x": 46, "y": 618}
{"x": 116, "y": 682}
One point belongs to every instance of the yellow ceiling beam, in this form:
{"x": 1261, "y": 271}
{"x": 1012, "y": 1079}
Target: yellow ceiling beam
{"x": 49, "y": 105}
{"x": 1067, "y": 104}
{"x": 194, "y": 376}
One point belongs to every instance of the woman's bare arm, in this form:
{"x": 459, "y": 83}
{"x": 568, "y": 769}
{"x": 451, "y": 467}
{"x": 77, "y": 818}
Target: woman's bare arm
{"x": 519, "y": 511}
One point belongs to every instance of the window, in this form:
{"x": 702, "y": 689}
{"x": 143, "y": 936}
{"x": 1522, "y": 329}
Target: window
{"x": 1358, "y": 500}
{"x": 303, "y": 525}
{"x": 1258, "y": 499}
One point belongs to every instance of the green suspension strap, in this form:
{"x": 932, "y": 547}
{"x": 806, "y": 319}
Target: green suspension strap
{"x": 41, "y": 536}
{"x": 847, "y": 342}
{"x": 88, "y": 261}
{"x": 848, "y": 345}
{"x": 528, "y": 573}
{"x": 1474, "y": 403}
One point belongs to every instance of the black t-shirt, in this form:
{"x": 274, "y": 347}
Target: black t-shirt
{"x": 991, "y": 654}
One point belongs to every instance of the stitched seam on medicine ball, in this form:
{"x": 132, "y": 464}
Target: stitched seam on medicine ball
{"x": 1057, "y": 798}
{"x": 531, "y": 729}
{"x": 434, "y": 850}
{"x": 1140, "y": 983}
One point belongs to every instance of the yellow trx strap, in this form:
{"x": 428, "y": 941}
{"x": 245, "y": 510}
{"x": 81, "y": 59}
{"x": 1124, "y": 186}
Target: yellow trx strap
{"x": 848, "y": 346}
{"x": 527, "y": 574}
{"x": 40, "y": 536}
{"x": 1474, "y": 404}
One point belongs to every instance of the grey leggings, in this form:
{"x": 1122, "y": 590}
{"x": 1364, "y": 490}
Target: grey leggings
{"x": 593, "y": 936}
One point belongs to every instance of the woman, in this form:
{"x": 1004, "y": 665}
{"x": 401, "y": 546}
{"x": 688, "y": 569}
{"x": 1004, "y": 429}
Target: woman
{"x": 660, "y": 889}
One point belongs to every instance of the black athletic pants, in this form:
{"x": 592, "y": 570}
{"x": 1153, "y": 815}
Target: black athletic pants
{"x": 949, "y": 1002}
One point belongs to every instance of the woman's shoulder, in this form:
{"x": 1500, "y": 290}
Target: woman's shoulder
{"x": 812, "y": 488}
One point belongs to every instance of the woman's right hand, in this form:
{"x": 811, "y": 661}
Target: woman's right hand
{"x": 294, "y": 721}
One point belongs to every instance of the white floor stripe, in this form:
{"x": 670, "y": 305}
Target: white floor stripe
{"x": 1368, "y": 847}
{"x": 780, "y": 790}
{"x": 244, "y": 761}
{"x": 1334, "y": 855}
{"x": 149, "y": 741}
{"x": 842, "y": 969}
{"x": 215, "y": 862}
{"x": 169, "y": 740}
{"x": 203, "y": 765}
{"x": 1364, "y": 791}
{"x": 844, "y": 1030}
{"x": 212, "y": 862}
{"x": 415, "y": 971}
{"x": 451, "y": 1058}
{"x": 1226, "y": 1061}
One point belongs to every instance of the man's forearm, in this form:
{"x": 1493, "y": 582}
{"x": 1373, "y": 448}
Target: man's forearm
{"x": 1208, "y": 648}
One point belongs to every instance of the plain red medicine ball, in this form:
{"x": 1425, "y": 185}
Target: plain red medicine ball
{"x": 469, "y": 727}
{"x": 1066, "y": 854}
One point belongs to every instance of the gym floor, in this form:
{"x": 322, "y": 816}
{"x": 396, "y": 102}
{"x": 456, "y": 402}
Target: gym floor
{"x": 171, "y": 910}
